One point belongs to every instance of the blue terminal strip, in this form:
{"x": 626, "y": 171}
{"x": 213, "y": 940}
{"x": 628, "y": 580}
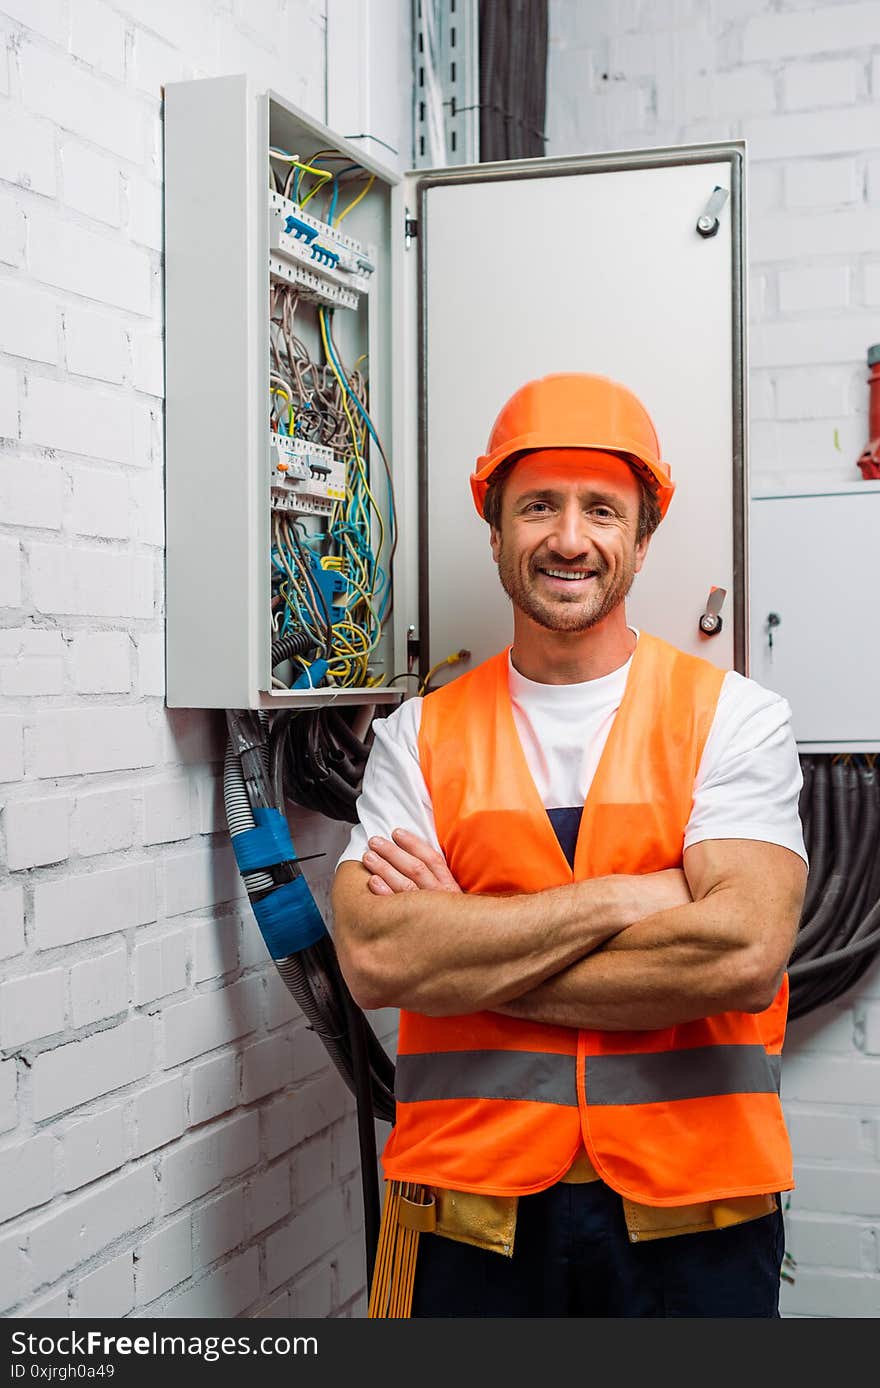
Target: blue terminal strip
{"x": 301, "y": 230}
{"x": 324, "y": 256}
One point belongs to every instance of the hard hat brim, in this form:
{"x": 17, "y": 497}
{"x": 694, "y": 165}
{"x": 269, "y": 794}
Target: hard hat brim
{"x": 628, "y": 449}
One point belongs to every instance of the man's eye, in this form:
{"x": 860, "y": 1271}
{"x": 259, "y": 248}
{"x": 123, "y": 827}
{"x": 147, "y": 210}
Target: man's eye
{"x": 538, "y": 506}
{"x": 603, "y": 512}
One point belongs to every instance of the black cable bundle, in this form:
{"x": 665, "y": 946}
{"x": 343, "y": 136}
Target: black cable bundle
{"x": 839, "y": 933}
{"x": 513, "y": 78}
{"x": 317, "y": 762}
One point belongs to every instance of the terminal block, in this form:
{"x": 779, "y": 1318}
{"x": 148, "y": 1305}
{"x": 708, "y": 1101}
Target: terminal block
{"x": 307, "y": 478}
{"x": 328, "y": 266}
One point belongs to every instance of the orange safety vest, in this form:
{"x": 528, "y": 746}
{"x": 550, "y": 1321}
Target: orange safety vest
{"x": 494, "y": 1105}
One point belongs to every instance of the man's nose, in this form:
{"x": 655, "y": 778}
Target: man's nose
{"x": 569, "y": 537}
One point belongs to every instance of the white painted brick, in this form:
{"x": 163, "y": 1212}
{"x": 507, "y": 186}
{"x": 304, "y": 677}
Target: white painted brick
{"x": 838, "y": 1189}
{"x": 100, "y": 662}
{"x": 210, "y": 808}
{"x": 805, "y": 394}
{"x": 14, "y": 1278}
{"x": 825, "y": 132}
{"x": 71, "y": 97}
{"x": 83, "y": 905}
{"x": 812, "y": 341}
{"x": 213, "y": 1088}
{"x": 31, "y": 661}
{"x": 11, "y": 921}
{"x": 872, "y": 284}
{"x": 91, "y": 182}
{"x": 309, "y": 1053}
{"x": 277, "y": 1309}
{"x": 347, "y": 1155}
{"x": 822, "y": 182}
{"x": 28, "y": 322}
{"x": 37, "y": 832}
{"x": 827, "y": 1242}
{"x": 32, "y": 492}
{"x": 198, "y": 1164}
{"x": 9, "y": 421}
{"x": 95, "y": 344}
{"x": 821, "y": 287}
{"x": 90, "y": 263}
{"x": 145, "y": 212}
{"x": 52, "y": 1307}
{"x": 830, "y": 1029}
{"x": 195, "y": 736}
{"x": 8, "y": 1095}
{"x": 833, "y": 1136}
{"x": 74, "y": 742}
{"x": 148, "y": 362}
{"x": 196, "y": 880}
{"x": 210, "y": 1020}
{"x": 159, "y": 1115}
{"x": 103, "y": 821}
{"x": 80, "y": 419}
{"x": 46, "y": 17}
{"x": 872, "y": 1028}
{"x": 252, "y": 949}
{"x": 97, "y": 35}
{"x": 746, "y": 92}
{"x": 10, "y": 590}
{"x": 215, "y": 948}
{"x": 280, "y": 1006}
{"x": 218, "y": 1227}
{"x": 12, "y": 234}
{"x": 292, "y": 1248}
{"x": 94, "y": 1146}
{"x": 84, "y": 1225}
{"x": 101, "y": 504}
{"x": 807, "y": 85}
{"x": 27, "y": 151}
{"x": 32, "y": 1007}
{"x": 313, "y": 1294}
{"x": 830, "y": 1080}
{"x": 223, "y": 1294}
{"x": 155, "y": 63}
{"x": 762, "y": 395}
{"x": 11, "y": 748}
{"x": 108, "y": 1292}
{"x": 350, "y": 1269}
{"x": 148, "y": 520}
{"x": 312, "y": 1169}
{"x": 266, "y": 1067}
{"x": 789, "y": 237}
{"x": 99, "y": 987}
{"x": 167, "y": 813}
{"x": 821, "y": 443}
{"x": 163, "y": 1260}
{"x": 74, "y": 1074}
{"x": 26, "y": 1175}
{"x": 831, "y": 28}
{"x": 159, "y": 967}
{"x": 268, "y": 1197}
{"x": 838, "y": 1295}
{"x": 91, "y": 582}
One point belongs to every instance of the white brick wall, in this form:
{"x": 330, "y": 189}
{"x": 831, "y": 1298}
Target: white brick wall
{"x": 800, "y": 81}
{"x": 156, "y": 1083}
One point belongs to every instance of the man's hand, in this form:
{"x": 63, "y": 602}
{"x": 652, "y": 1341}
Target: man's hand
{"x": 406, "y": 863}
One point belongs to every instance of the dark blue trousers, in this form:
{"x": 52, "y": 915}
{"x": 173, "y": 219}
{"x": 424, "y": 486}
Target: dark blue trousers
{"x": 573, "y": 1257}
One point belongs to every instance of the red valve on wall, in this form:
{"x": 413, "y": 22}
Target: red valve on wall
{"x": 869, "y": 461}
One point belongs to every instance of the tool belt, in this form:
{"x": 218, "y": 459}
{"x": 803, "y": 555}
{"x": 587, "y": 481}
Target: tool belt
{"x": 489, "y": 1222}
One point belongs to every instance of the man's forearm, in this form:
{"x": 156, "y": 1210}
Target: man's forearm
{"x": 447, "y": 954}
{"x": 672, "y": 967}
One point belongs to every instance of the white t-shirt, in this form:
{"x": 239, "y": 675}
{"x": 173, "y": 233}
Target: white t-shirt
{"x": 747, "y": 786}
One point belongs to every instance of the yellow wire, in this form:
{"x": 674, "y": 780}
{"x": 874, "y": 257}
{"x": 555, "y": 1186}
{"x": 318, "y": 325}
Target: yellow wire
{"x": 352, "y": 205}
{"x": 449, "y": 660}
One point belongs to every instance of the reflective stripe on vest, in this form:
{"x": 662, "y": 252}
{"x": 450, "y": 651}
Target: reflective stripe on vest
{"x": 492, "y": 1104}
{"x": 536, "y": 1077}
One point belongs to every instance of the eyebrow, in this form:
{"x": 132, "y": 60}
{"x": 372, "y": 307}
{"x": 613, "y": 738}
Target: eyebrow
{"x": 549, "y": 493}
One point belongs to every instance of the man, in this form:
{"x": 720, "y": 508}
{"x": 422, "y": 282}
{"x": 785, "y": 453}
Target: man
{"x": 579, "y": 872}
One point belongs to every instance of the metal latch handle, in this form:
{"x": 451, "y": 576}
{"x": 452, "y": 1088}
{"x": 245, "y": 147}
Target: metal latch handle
{"x": 708, "y": 222}
{"x": 711, "y": 622}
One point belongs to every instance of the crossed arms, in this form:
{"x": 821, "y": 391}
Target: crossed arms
{"x": 615, "y": 953}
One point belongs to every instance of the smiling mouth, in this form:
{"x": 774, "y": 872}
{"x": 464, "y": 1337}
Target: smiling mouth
{"x": 568, "y": 575}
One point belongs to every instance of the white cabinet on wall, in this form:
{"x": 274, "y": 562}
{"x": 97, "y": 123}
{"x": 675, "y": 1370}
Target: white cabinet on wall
{"x": 815, "y": 580}
{"x": 629, "y": 265}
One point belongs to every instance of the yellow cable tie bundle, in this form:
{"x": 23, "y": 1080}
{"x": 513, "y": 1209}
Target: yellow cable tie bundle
{"x": 409, "y": 1211}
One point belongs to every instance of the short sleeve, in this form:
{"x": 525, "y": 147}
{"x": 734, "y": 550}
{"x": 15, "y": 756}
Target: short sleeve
{"x": 393, "y": 793}
{"x": 750, "y": 778}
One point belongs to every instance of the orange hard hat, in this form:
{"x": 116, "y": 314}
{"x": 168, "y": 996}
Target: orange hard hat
{"x": 575, "y": 410}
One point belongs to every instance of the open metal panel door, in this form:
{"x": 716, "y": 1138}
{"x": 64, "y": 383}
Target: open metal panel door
{"x": 587, "y": 264}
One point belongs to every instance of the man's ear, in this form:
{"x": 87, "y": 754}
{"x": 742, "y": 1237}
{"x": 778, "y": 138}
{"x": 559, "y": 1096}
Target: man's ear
{"x": 495, "y": 542}
{"x": 641, "y": 551}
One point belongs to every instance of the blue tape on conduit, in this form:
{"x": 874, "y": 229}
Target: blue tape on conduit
{"x": 266, "y": 845}
{"x": 289, "y": 919}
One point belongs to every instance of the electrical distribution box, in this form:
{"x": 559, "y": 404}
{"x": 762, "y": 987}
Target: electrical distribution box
{"x": 810, "y": 638}
{"x": 439, "y": 295}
